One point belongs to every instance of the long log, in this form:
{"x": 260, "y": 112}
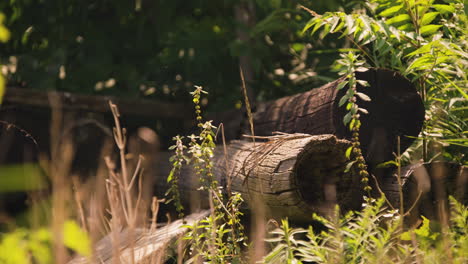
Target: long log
{"x": 149, "y": 247}
{"x": 291, "y": 175}
{"x": 95, "y": 103}
{"x": 395, "y": 109}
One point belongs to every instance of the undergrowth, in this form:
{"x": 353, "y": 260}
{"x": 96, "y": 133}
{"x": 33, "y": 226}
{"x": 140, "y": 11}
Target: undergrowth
{"x": 421, "y": 39}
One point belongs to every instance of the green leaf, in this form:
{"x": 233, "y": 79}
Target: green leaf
{"x": 391, "y": 11}
{"x": 399, "y": 19}
{"x": 348, "y": 152}
{"x": 317, "y": 26}
{"x": 341, "y": 85}
{"x": 424, "y": 230}
{"x": 347, "y": 118}
{"x": 444, "y": 9}
{"x": 387, "y": 164}
{"x": 429, "y": 29}
{"x": 406, "y": 27}
{"x": 21, "y": 177}
{"x": 297, "y": 46}
{"x": 4, "y": 33}
{"x": 171, "y": 175}
{"x": 343, "y": 100}
{"x": 337, "y": 25}
{"x": 428, "y": 17}
{"x": 405, "y": 236}
{"x": 13, "y": 247}
{"x": 424, "y": 61}
{"x": 325, "y": 31}
{"x": 349, "y": 166}
{"x": 424, "y": 49}
{"x": 76, "y": 239}
{"x": 309, "y": 24}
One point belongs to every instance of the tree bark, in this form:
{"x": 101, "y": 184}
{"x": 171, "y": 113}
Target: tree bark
{"x": 395, "y": 110}
{"x": 291, "y": 175}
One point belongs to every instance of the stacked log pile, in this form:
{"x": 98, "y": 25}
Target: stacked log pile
{"x": 302, "y": 171}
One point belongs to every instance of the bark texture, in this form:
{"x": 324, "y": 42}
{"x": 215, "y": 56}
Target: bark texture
{"x": 395, "y": 110}
{"x": 292, "y": 175}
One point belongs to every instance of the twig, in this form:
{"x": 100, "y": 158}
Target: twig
{"x": 382, "y": 193}
{"x": 247, "y": 104}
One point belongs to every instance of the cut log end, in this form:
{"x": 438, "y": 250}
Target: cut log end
{"x": 320, "y": 176}
{"x": 294, "y": 176}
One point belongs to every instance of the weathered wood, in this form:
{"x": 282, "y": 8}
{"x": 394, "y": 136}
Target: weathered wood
{"x": 149, "y": 247}
{"x": 93, "y": 103}
{"x": 291, "y": 175}
{"x": 395, "y": 110}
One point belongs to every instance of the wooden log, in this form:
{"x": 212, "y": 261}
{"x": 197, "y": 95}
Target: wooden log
{"x": 149, "y": 247}
{"x": 395, "y": 110}
{"x": 94, "y": 103}
{"x": 291, "y": 175}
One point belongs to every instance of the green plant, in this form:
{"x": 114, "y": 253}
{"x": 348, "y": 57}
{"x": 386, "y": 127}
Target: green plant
{"x": 4, "y": 36}
{"x": 219, "y": 237}
{"x": 347, "y": 66}
{"x": 287, "y": 246}
{"x": 373, "y": 235}
{"x": 35, "y": 246}
{"x": 425, "y": 41}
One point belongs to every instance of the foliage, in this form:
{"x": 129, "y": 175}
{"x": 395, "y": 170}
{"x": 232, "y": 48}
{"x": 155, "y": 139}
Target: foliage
{"x": 348, "y": 65}
{"x": 219, "y": 237}
{"x": 4, "y": 36}
{"x": 159, "y": 49}
{"x": 372, "y": 236}
{"x": 425, "y": 41}
{"x": 35, "y": 246}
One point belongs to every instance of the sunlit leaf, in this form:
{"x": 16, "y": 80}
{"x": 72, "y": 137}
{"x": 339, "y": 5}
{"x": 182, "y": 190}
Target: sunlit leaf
{"x": 391, "y": 11}
{"x": 350, "y": 24}
{"x": 4, "y": 33}
{"x": 13, "y": 247}
{"x": 406, "y": 27}
{"x": 336, "y": 21}
{"x": 21, "y": 177}
{"x": 444, "y": 9}
{"x": 76, "y": 239}
{"x": 399, "y": 19}
{"x": 348, "y": 152}
{"x": 428, "y": 18}
{"x": 429, "y": 29}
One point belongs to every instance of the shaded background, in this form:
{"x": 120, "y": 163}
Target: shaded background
{"x": 160, "y": 49}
